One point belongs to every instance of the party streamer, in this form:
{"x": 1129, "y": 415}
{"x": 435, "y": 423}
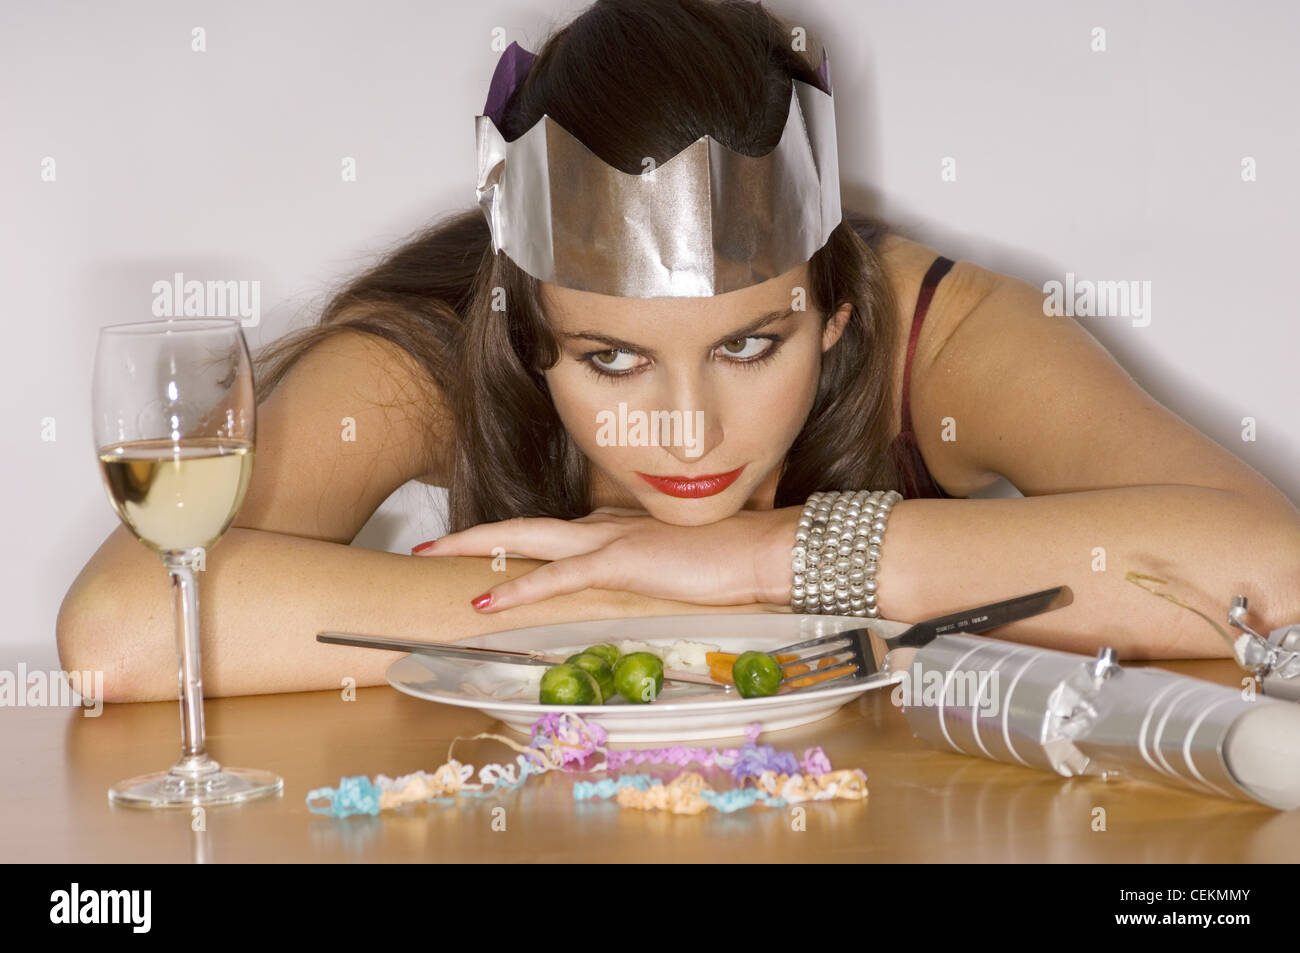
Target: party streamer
{"x": 563, "y": 741}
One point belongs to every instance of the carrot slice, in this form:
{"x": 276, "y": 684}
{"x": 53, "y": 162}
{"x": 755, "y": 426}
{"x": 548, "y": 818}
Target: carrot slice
{"x": 729, "y": 657}
{"x": 720, "y": 664}
{"x": 820, "y": 676}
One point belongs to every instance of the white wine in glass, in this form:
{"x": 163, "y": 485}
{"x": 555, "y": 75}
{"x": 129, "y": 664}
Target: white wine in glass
{"x": 175, "y": 420}
{"x": 177, "y": 496}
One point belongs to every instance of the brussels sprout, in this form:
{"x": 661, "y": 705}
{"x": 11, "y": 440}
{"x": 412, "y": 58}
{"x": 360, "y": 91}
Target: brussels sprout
{"x": 639, "y": 677}
{"x": 606, "y": 650}
{"x": 569, "y": 685}
{"x": 756, "y": 674}
{"x": 596, "y": 667}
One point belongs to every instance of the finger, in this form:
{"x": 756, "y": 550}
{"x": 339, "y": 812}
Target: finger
{"x": 554, "y": 579}
{"x": 541, "y": 537}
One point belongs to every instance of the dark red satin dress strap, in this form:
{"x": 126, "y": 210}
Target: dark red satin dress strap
{"x": 917, "y": 481}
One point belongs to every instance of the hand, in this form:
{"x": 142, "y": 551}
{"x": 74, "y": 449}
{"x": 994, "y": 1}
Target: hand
{"x": 742, "y": 559}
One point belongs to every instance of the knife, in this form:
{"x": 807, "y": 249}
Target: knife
{"x": 976, "y": 620}
{"x": 444, "y": 650}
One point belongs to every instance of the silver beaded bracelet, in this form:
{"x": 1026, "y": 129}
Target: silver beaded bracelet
{"x": 837, "y": 551}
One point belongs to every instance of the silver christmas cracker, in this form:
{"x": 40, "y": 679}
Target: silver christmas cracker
{"x": 1077, "y": 715}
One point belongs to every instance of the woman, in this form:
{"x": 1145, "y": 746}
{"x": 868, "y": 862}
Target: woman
{"x": 885, "y": 365}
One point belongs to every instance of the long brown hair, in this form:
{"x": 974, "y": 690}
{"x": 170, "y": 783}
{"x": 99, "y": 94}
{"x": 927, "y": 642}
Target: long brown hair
{"x": 630, "y": 79}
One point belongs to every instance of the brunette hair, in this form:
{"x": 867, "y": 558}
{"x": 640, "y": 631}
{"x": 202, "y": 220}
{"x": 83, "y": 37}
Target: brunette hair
{"x": 630, "y": 79}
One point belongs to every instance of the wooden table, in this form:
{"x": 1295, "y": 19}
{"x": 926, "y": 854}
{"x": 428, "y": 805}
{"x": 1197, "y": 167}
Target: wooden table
{"x": 924, "y": 805}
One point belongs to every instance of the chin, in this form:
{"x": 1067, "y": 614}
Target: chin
{"x": 699, "y": 512}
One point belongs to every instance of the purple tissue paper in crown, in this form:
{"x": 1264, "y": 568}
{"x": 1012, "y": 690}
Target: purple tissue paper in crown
{"x": 515, "y": 62}
{"x": 511, "y": 69}
{"x": 824, "y": 72}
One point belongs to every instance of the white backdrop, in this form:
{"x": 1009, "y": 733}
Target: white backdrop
{"x": 1115, "y": 164}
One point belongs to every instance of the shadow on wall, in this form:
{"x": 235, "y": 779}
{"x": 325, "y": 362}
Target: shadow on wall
{"x": 413, "y": 513}
{"x": 999, "y": 489}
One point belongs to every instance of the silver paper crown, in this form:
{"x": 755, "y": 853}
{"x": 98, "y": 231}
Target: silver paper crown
{"x": 705, "y": 222}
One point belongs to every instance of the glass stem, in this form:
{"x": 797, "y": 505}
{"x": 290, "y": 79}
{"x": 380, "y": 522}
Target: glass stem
{"x": 194, "y": 760}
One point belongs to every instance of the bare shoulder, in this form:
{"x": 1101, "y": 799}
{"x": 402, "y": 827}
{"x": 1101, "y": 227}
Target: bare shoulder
{"x": 353, "y": 419}
{"x": 957, "y": 295}
{"x": 962, "y": 288}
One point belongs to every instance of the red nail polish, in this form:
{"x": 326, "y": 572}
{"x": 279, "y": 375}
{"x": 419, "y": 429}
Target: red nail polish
{"x": 422, "y": 547}
{"x": 482, "y": 601}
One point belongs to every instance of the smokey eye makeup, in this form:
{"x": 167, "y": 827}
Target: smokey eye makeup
{"x": 595, "y": 361}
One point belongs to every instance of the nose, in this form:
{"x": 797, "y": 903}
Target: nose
{"x": 691, "y": 415}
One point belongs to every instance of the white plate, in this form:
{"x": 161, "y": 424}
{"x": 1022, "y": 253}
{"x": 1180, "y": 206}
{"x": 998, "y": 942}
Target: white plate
{"x": 681, "y": 712}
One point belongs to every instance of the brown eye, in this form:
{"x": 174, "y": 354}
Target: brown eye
{"x": 605, "y": 362}
{"x": 749, "y": 349}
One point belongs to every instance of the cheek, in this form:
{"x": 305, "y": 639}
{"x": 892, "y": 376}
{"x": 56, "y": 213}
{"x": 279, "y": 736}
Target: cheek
{"x": 766, "y": 407}
{"x": 784, "y": 397}
{"x": 578, "y": 400}
{"x": 569, "y": 397}
{"x": 785, "y": 389}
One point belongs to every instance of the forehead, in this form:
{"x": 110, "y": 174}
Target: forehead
{"x": 642, "y": 319}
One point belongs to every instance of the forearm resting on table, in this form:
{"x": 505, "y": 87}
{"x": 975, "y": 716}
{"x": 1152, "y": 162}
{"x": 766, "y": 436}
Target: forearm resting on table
{"x": 940, "y": 556}
{"x": 264, "y": 596}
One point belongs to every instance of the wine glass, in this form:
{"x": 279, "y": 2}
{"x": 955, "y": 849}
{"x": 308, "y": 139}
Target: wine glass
{"x": 174, "y": 431}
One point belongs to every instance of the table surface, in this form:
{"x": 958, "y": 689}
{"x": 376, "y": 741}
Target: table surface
{"x": 924, "y": 805}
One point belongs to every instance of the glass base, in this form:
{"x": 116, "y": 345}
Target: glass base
{"x": 177, "y": 788}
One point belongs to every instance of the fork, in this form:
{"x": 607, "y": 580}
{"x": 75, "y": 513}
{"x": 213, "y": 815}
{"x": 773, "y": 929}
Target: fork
{"x": 863, "y": 658}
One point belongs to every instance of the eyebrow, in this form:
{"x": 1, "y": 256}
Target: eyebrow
{"x": 622, "y": 345}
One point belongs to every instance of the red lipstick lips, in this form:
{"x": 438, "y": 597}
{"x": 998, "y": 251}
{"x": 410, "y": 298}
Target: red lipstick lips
{"x": 692, "y": 487}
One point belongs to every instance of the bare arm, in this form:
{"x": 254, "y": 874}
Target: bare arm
{"x": 263, "y": 598}
{"x": 1113, "y": 481}
{"x": 285, "y": 571}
